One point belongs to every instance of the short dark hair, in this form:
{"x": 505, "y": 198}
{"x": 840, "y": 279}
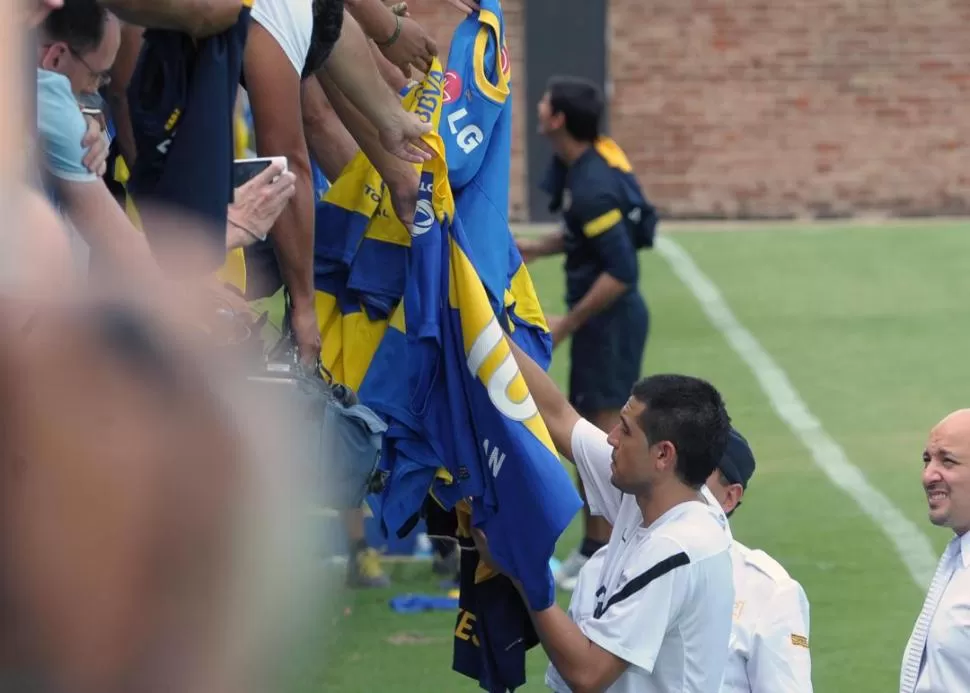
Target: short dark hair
{"x": 78, "y": 23}
{"x": 690, "y": 413}
{"x": 581, "y": 102}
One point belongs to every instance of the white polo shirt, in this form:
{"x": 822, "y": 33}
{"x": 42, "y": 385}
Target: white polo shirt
{"x": 659, "y": 597}
{"x": 769, "y": 637}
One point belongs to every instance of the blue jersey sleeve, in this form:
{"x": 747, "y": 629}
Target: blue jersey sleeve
{"x": 62, "y": 127}
{"x": 468, "y": 122}
{"x": 604, "y": 228}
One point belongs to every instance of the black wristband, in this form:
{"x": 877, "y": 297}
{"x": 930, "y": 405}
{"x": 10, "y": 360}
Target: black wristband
{"x": 394, "y": 37}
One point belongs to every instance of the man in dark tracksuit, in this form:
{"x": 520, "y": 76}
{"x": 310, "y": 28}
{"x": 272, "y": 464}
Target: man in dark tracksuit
{"x": 607, "y": 317}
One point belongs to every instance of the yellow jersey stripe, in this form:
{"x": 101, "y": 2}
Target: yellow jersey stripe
{"x": 602, "y": 223}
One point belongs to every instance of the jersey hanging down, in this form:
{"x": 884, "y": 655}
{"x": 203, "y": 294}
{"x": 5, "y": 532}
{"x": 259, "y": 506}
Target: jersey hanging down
{"x": 465, "y": 395}
{"x": 182, "y": 96}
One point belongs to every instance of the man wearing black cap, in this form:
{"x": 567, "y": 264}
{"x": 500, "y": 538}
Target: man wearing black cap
{"x": 769, "y": 635}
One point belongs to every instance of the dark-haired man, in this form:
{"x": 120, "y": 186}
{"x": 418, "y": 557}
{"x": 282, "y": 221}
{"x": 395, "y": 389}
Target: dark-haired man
{"x": 656, "y": 616}
{"x": 607, "y": 316}
{"x": 769, "y": 635}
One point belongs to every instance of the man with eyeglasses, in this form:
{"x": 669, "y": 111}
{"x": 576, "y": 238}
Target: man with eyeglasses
{"x": 76, "y": 46}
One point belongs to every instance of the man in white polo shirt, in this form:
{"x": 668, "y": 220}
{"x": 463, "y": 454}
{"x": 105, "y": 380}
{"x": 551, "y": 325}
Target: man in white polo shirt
{"x": 656, "y": 616}
{"x": 769, "y": 636}
{"x": 937, "y": 656}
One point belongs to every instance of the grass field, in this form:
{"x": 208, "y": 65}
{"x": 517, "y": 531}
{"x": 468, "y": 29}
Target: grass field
{"x": 872, "y": 326}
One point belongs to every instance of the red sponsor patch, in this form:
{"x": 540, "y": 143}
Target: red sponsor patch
{"x": 452, "y": 87}
{"x": 504, "y": 60}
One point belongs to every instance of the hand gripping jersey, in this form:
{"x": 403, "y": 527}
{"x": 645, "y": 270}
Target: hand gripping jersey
{"x": 182, "y": 97}
{"x": 475, "y": 124}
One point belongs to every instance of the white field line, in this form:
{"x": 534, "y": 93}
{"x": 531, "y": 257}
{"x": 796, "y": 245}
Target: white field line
{"x": 911, "y": 544}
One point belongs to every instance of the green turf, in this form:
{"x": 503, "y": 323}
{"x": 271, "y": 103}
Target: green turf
{"x": 872, "y": 326}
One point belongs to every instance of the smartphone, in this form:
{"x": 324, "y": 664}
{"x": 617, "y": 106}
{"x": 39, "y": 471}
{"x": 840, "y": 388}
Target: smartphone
{"x": 244, "y": 170}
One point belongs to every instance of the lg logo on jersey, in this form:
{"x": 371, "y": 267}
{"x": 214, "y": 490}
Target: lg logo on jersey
{"x": 468, "y": 137}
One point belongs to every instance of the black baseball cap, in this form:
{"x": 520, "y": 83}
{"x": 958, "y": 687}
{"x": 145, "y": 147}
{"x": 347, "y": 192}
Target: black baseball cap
{"x": 737, "y": 464}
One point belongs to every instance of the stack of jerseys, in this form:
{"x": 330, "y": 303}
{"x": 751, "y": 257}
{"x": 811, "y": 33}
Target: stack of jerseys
{"x": 416, "y": 322}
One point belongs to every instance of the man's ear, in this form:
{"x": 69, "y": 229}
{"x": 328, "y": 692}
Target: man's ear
{"x": 666, "y": 454}
{"x": 732, "y": 497}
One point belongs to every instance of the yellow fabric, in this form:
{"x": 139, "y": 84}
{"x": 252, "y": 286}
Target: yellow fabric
{"x": 522, "y": 291}
{"x": 233, "y": 271}
{"x": 490, "y": 28}
{"x": 349, "y": 341}
{"x": 611, "y": 152}
{"x": 463, "y": 512}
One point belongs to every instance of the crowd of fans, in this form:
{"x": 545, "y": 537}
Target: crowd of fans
{"x": 133, "y": 288}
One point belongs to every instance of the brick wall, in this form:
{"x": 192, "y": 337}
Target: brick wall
{"x": 440, "y": 19}
{"x": 778, "y": 108}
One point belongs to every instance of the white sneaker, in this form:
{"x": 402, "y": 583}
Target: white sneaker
{"x": 568, "y": 572}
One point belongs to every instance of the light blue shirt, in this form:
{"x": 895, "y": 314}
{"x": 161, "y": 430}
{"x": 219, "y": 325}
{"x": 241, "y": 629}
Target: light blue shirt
{"x": 61, "y": 127}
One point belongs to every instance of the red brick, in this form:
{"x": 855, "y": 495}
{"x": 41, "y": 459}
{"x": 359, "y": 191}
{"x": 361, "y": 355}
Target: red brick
{"x": 776, "y": 108}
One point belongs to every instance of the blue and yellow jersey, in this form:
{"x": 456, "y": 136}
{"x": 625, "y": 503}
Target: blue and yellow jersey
{"x": 446, "y": 379}
{"x": 476, "y": 127}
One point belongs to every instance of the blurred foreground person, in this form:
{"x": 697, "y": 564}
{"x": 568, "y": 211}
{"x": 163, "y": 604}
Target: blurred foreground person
{"x": 937, "y": 659}
{"x": 144, "y": 527}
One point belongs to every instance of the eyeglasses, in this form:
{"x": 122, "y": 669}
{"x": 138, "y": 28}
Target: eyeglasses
{"x": 104, "y": 78}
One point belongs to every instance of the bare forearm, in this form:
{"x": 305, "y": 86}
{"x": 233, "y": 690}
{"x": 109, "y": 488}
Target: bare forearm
{"x": 374, "y": 17}
{"x": 121, "y": 71}
{"x": 198, "y": 18}
{"x": 604, "y": 292}
{"x": 391, "y": 74}
{"x": 124, "y": 132}
{"x": 559, "y": 416}
{"x": 363, "y": 131}
{"x": 352, "y": 69}
{"x": 550, "y": 244}
{"x": 106, "y": 228}
{"x": 293, "y": 239}
{"x": 569, "y": 650}
{"x": 329, "y": 142}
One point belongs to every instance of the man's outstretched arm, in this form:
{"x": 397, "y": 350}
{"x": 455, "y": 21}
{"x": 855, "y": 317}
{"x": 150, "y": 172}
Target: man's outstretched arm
{"x": 559, "y": 415}
{"x": 199, "y": 18}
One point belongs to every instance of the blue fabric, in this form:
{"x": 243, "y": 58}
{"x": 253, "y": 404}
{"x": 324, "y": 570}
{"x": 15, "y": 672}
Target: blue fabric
{"x": 476, "y": 126}
{"x": 182, "y": 99}
{"x": 493, "y": 630}
{"x": 417, "y": 603}
{"x": 320, "y": 183}
{"x": 462, "y": 377}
